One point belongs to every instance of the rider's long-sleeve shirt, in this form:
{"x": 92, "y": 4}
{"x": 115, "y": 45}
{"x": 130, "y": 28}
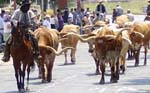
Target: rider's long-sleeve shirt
{"x": 23, "y": 18}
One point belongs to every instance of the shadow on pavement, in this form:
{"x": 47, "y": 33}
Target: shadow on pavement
{"x": 139, "y": 81}
{"x": 66, "y": 64}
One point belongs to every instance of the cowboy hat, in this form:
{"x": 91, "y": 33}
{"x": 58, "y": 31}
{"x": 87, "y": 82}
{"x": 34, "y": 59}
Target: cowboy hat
{"x": 25, "y": 2}
{"x": 25, "y": 6}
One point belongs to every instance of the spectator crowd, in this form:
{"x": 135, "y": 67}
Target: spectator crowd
{"x": 62, "y": 17}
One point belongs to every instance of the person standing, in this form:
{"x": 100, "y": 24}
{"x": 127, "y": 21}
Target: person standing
{"x": 75, "y": 14}
{"x": 53, "y": 21}
{"x": 7, "y": 27}
{"x": 2, "y": 25}
{"x": 114, "y": 15}
{"x": 70, "y": 16}
{"x": 60, "y": 20}
{"x": 119, "y": 10}
{"x": 147, "y": 18}
{"x": 66, "y": 15}
{"x": 46, "y": 22}
{"x": 130, "y": 15}
{"x": 148, "y": 8}
{"x": 100, "y": 8}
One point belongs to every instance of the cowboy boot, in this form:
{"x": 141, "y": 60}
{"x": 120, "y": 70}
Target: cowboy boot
{"x": 6, "y": 56}
{"x": 36, "y": 52}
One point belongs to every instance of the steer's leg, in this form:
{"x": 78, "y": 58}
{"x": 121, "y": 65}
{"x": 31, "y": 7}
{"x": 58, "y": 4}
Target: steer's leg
{"x": 117, "y": 69}
{"x": 43, "y": 72}
{"x": 145, "y": 61}
{"x": 97, "y": 67}
{"x": 49, "y": 69}
{"x": 65, "y": 53}
{"x": 96, "y": 62}
{"x": 90, "y": 47}
{"x": 137, "y": 54}
{"x": 102, "y": 67}
{"x": 113, "y": 75}
{"x": 122, "y": 66}
{"x": 73, "y": 59}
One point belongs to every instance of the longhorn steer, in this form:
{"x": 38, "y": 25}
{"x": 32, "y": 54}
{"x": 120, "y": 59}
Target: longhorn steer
{"x": 107, "y": 49}
{"x": 71, "y": 41}
{"x": 48, "y": 44}
{"x": 142, "y": 28}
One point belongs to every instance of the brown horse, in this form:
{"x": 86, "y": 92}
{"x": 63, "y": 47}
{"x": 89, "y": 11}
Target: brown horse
{"x": 22, "y": 56}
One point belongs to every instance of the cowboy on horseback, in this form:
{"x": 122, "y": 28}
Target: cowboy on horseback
{"x": 22, "y": 18}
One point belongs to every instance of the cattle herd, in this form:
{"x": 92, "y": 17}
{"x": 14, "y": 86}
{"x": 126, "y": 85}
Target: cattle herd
{"x": 108, "y": 44}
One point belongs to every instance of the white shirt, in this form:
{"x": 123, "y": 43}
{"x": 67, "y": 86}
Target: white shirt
{"x": 71, "y": 16}
{"x": 18, "y": 15}
{"x": 47, "y": 23}
{"x": 52, "y": 20}
{"x": 130, "y": 17}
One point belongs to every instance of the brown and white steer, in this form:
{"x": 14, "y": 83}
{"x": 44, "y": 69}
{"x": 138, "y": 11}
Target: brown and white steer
{"x": 48, "y": 44}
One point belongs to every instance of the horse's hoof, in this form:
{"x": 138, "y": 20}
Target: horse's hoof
{"x": 97, "y": 73}
{"x": 102, "y": 82}
{"x": 114, "y": 81}
{"x": 65, "y": 63}
{"x": 90, "y": 50}
{"x": 136, "y": 65}
{"x": 22, "y": 90}
{"x": 73, "y": 60}
{"x": 44, "y": 81}
{"x": 49, "y": 79}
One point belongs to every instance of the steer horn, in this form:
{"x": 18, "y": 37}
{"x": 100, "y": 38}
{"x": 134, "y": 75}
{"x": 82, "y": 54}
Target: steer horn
{"x": 80, "y": 37}
{"x": 120, "y": 32}
{"x": 54, "y": 51}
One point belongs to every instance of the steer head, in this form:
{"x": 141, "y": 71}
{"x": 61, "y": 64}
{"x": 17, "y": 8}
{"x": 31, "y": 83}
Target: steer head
{"x": 137, "y": 40}
{"x": 106, "y": 43}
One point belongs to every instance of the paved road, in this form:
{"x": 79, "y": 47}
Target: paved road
{"x": 80, "y": 78}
